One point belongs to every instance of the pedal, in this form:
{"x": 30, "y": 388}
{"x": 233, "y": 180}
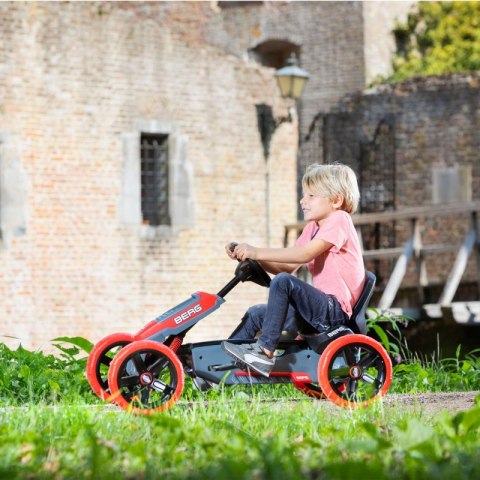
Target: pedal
{"x": 224, "y": 367}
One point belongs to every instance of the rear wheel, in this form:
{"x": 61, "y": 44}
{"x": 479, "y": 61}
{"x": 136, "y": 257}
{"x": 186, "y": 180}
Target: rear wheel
{"x": 354, "y": 370}
{"x": 146, "y": 377}
{"x": 99, "y": 361}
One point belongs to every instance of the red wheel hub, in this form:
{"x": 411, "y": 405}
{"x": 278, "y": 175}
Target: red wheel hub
{"x": 356, "y": 372}
{"x": 146, "y": 378}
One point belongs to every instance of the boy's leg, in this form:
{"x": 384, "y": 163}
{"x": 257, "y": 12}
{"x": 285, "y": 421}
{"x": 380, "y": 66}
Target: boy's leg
{"x": 252, "y": 323}
{"x": 320, "y": 310}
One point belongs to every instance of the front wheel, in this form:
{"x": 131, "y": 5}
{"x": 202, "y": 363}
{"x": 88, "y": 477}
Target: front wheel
{"x": 99, "y": 361}
{"x": 146, "y": 377}
{"x": 354, "y": 370}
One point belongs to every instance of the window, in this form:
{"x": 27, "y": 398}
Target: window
{"x": 154, "y": 179}
{"x": 157, "y": 193}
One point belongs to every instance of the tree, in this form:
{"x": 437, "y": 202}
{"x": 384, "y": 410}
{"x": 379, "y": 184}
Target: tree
{"x": 438, "y": 38}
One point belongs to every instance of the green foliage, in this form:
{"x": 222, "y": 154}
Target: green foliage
{"x": 233, "y": 440}
{"x": 438, "y": 38}
{"x": 49, "y": 429}
{"x": 78, "y": 344}
{"x": 386, "y": 327}
{"x": 413, "y": 373}
{"x": 32, "y": 377}
{"x": 438, "y": 375}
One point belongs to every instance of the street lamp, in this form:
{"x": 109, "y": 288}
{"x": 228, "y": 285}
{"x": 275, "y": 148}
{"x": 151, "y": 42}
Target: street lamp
{"x": 291, "y": 79}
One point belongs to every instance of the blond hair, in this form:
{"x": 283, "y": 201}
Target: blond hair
{"x": 332, "y": 180}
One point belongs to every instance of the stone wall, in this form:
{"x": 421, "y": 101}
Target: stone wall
{"x": 433, "y": 126}
{"x": 78, "y": 81}
{"x": 343, "y": 45}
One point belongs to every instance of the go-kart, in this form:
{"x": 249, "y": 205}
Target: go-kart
{"x": 145, "y": 372}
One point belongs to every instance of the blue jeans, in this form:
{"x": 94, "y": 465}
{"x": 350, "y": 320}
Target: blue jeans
{"x": 289, "y": 296}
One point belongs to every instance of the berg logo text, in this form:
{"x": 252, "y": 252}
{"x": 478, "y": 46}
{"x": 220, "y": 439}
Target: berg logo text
{"x": 187, "y": 314}
{"x": 337, "y": 330}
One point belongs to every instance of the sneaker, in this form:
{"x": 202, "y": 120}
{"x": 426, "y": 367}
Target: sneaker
{"x": 251, "y": 355}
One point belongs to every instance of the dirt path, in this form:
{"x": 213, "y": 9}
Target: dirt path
{"x": 432, "y": 403}
{"x": 426, "y": 403}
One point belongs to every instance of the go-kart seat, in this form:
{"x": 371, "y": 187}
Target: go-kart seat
{"x": 358, "y": 320}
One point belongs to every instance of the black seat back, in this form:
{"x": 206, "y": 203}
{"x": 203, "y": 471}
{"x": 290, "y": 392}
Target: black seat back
{"x": 358, "y": 322}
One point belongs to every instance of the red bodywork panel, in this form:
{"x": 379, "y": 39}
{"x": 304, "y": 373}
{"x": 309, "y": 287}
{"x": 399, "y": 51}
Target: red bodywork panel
{"x": 181, "y": 317}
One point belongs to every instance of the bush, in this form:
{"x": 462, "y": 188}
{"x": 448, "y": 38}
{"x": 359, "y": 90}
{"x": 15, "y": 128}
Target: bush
{"x": 438, "y": 38}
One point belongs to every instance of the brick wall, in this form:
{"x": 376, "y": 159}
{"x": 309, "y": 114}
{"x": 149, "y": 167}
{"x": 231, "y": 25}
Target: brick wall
{"x": 435, "y": 120}
{"x": 75, "y": 78}
{"x": 78, "y": 80}
{"x": 331, "y": 40}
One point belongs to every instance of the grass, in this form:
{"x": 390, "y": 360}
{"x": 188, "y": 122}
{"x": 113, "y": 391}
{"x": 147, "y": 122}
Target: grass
{"x": 52, "y": 426}
{"x": 234, "y": 439}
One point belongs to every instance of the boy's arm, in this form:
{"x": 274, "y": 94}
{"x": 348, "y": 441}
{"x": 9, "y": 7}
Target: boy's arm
{"x": 292, "y": 256}
{"x": 276, "y": 267}
{"x": 271, "y": 267}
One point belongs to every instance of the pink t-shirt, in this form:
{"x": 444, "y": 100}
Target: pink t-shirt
{"x": 340, "y": 270}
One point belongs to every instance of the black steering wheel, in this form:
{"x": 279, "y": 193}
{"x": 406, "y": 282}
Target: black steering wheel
{"x": 251, "y": 271}
{"x": 260, "y": 276}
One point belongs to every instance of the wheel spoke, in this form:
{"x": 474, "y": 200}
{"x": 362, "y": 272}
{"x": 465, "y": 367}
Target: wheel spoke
{"x": 139, "y": 363}
{"x": 349, "y": 354}
{"x": 147, "y": 378}
{"x": 161, "y": 387}
{"x": 363, "y": 387}
{"x": 158, "y": 365}
{"x": 367, "y": 378}
{"x": 100, "y": 360}
{"x": 145, "y": 395}
{"x": 368, "y": 360}
{"x": 352, "y": 387}
{"x": 129, "y": 381}
{"x": 105, "y": 360}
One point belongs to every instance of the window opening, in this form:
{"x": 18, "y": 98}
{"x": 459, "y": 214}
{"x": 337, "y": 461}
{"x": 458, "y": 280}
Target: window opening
{"x": 274, "y": 53}
{"x": 154, "y": 179}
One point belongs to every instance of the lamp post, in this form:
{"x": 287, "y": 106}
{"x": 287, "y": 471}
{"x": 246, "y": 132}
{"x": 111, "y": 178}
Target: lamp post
{"x": 291, "y": 81}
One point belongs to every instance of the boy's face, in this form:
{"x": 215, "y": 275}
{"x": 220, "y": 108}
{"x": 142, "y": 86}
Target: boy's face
{"x": 315, "y": 207}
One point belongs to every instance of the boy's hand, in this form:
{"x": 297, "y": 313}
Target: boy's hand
{"x": 229, "y": 248}
{"x": 244, "y": 251}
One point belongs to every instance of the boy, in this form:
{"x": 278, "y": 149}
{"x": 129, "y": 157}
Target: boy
{"x": 330, "y": 249}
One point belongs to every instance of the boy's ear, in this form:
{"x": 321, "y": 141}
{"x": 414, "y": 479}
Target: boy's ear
{"x": 337, "y": 201}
